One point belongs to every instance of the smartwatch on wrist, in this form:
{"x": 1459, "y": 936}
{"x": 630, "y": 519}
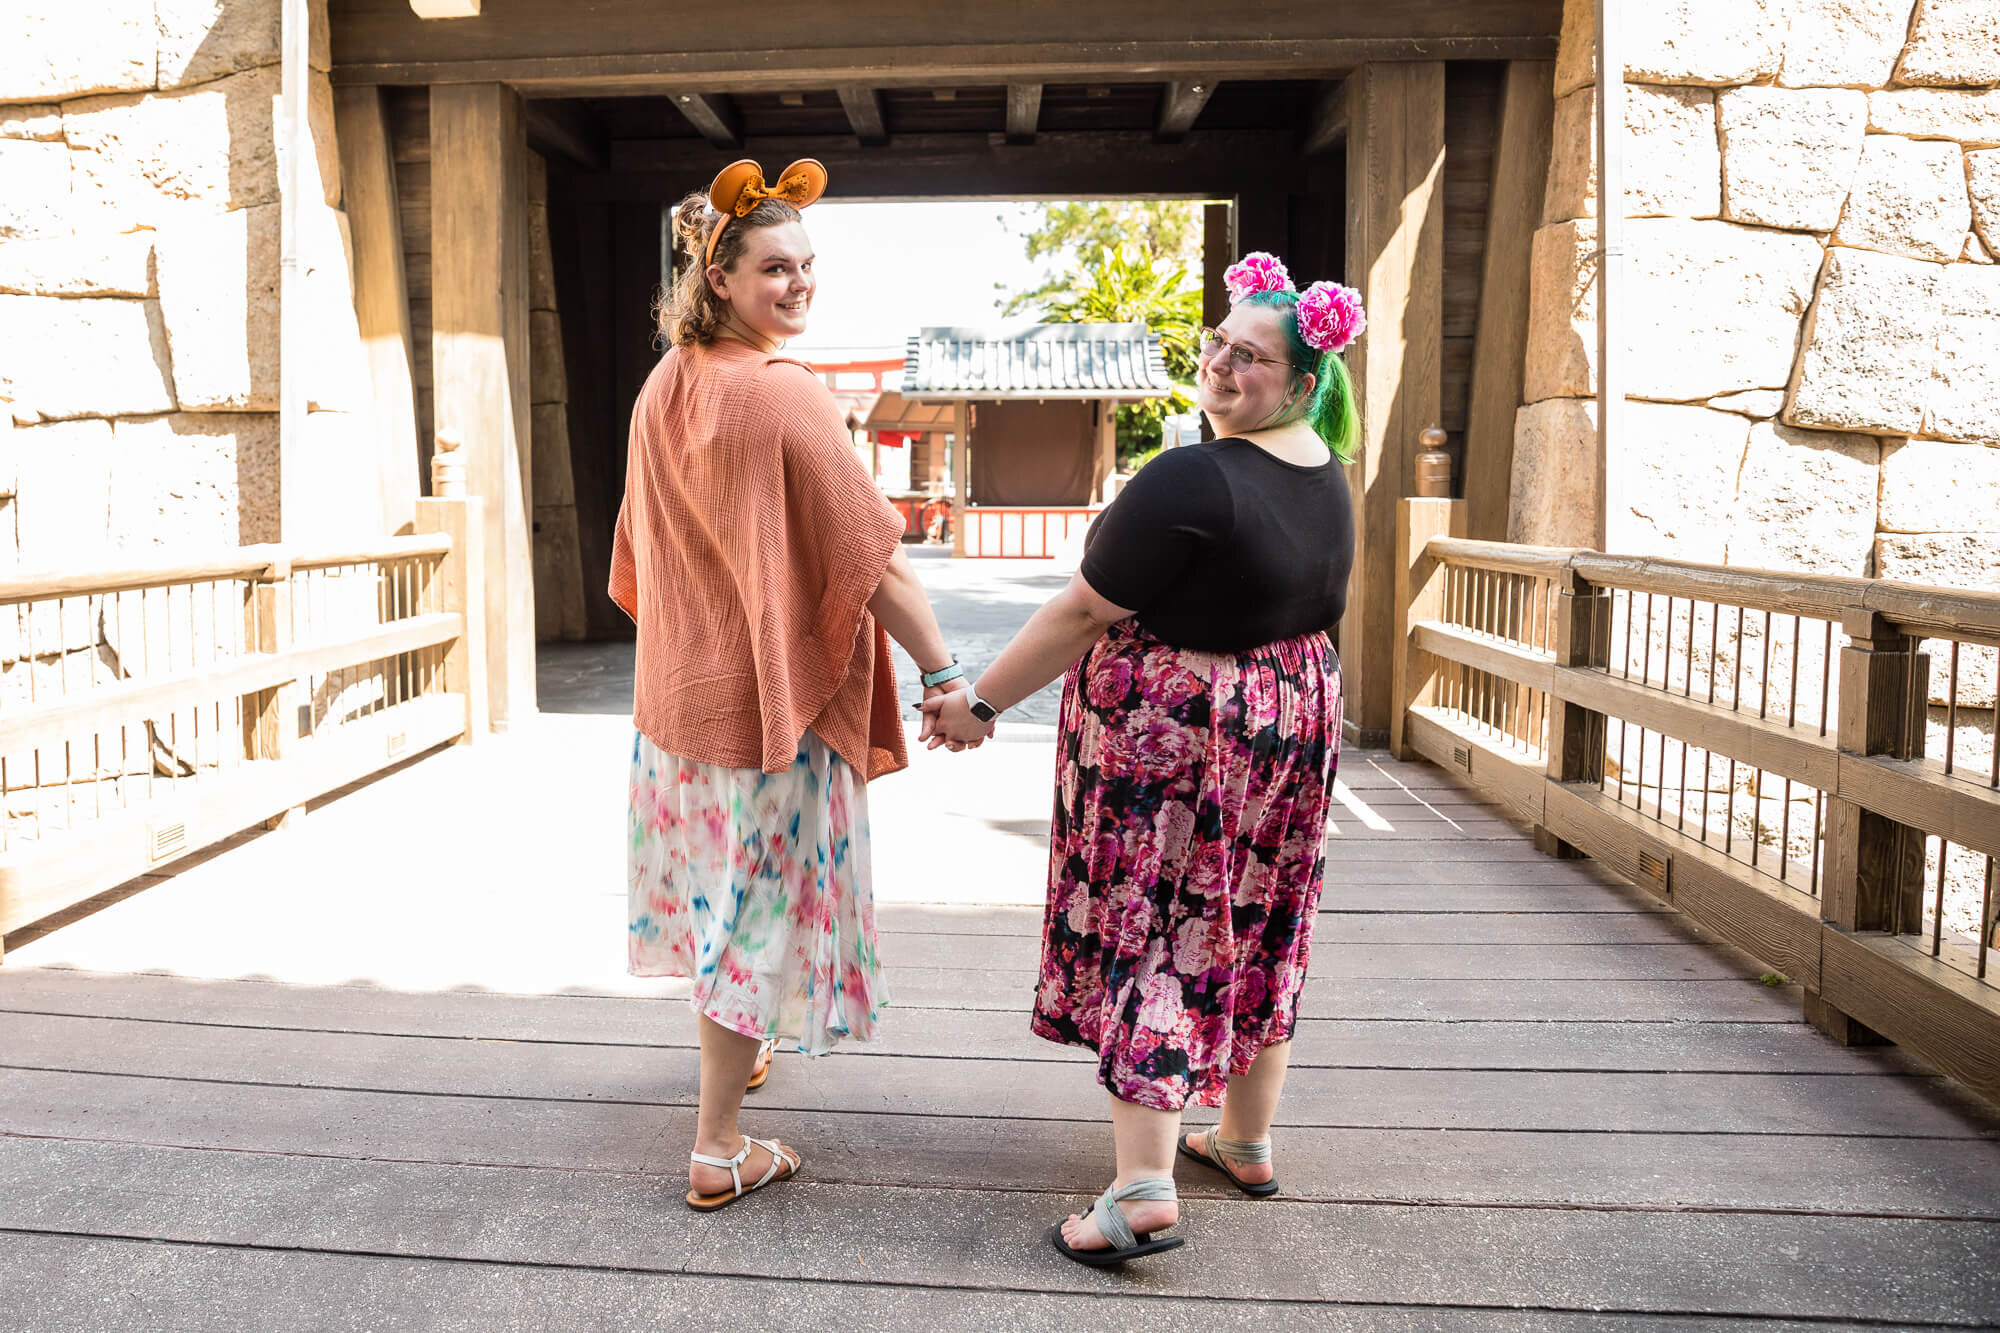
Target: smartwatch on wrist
{"x": 982, "y": 710}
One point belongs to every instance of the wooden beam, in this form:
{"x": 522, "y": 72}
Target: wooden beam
{"x": 1024, "y": 112}
{"x": 479, "y": 355}
{"x": 1420, "y": 582}
{"x": 1218, "y": 252}
{"x": 864, "y": 112}
{"x": 381, "y": 296}
{"x": 1066, "y": 165}
{"x": 714, "y": 115}
{"x": 1329, "y": 119}
{"x": 624, "y": 48}
{"x": 1180, "y": 104}
{"x": 1499, "y": 349}
{"x": 564, "y": 129}
{"x": 1395, "y": 256}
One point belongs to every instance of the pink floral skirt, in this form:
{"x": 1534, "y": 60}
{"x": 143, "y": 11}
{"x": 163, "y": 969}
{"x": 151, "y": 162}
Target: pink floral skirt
{"x": 1187, "y": 857}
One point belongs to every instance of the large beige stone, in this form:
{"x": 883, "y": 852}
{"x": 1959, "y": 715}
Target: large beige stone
{"x": 144, "y": 161}
{"x": 1789, "y": 154}
{"x": 1982, "y": 178}
{"x": 1562, "y": 344}
{"x": 1714, "y": 42}
{"x": 1869, "y": 341}
{"x": 1945, "y": 559}
{"x": 179, "y": 480}
{"x": 1965, "y": 384}
{"x": 63, "y": 358}
{"x": 64, "y": 504}
{"x": 56, "y": 49}
{"x": 1938, "y": 486}
{"x": 1953, "y": 42}
{"x": 1711, "y": 307}
{"x": 1672, "y": 165}
{"x": 219, "y": 293}
{"x": 1909, "y": 199}
{"x": 1805, "y": 500}
{"x": 115, "y": 265}
{"x": 200, "y": 40}
{"x": 42, "y": 122}
{"x": 1844, "y": 43}
{"x": 1671, "y": 483}
{"x": 1552, "y": 493}
{"x": 34, "y": 199}
{"x": 1970, "y": 117}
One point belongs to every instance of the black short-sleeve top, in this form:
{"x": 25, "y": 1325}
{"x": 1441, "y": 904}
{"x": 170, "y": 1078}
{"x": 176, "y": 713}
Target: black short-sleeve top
{"x": 1222, "y": 547}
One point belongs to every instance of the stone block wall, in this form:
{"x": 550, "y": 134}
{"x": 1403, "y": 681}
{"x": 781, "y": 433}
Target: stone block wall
{"x": 139, "y": 257}
{"x": 1811, "y": 306}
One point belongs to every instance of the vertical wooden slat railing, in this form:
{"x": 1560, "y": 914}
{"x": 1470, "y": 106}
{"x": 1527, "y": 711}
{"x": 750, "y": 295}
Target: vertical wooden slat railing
{"x": 152, "y": 711}
{"x": 1748, "y": 745}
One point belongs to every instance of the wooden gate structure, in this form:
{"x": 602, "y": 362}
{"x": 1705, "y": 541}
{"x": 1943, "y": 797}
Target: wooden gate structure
{"x": 1400, "y": 148}
{"x": 1748, "y": 746}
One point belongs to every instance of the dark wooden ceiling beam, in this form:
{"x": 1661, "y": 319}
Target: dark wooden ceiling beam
{"x": 567, "y": 130}
{"x": 369, "y": 51}
{"x": 1180, "y": 104}
{"x": 1060, "y": 165}
{"x": 714, "y": 115}
{"x": 864, "y": 112}
{"x": 1329, "y": 119}
{"x": 1024, "y": 112}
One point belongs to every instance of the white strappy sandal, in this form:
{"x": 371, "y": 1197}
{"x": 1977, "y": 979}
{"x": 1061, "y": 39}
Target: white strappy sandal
{"x": 785, "y": 1164}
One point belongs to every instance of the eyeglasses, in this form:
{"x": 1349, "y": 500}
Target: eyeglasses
{"x": 1241, "y": 358}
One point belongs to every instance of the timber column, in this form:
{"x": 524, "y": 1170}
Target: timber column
{"x": 479, "y": 355}
{"x": 1395, "y": 257}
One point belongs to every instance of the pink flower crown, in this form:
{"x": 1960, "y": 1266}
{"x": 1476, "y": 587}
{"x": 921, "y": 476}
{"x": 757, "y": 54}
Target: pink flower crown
{"x": 1330, "y": 315}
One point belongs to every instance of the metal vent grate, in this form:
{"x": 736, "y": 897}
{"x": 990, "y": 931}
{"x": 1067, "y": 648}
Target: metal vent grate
{"x": 1461, "y": 757}
{"x": 167, "y": 839}
{"x": 1655, "y": 866}
{"x": 398, "y": 742}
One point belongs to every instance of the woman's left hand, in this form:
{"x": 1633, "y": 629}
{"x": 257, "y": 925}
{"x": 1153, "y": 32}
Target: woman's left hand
{"x": 948, "y": 720}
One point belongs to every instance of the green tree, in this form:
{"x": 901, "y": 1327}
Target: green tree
{"x": 1124, "y": 286}
{"x": 1167, "y": 229}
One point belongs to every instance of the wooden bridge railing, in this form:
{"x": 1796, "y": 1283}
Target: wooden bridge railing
{"x": 1805, "y": 764}
{"x": 148, "y": 712}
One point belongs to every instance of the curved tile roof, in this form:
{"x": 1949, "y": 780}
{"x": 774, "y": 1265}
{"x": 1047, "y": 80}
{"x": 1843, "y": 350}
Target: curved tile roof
{"x": 1035, "y": 361}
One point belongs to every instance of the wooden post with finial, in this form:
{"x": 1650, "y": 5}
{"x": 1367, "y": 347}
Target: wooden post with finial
{"x": 449, "y": 510}
{"x": 1433, "y": 473}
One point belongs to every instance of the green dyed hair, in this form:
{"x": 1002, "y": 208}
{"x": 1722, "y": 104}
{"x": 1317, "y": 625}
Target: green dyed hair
{"x": 1330, "y": 409}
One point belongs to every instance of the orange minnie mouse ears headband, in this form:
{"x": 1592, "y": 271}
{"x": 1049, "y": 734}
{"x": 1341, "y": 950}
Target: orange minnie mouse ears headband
{"x": 739, "y": 187}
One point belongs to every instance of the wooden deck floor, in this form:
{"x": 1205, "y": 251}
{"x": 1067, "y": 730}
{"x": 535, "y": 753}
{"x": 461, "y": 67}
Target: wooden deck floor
{"x": 1524, "y": 1097}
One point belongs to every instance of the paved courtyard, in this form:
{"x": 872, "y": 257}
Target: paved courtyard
{"x": 385, "y": 1069}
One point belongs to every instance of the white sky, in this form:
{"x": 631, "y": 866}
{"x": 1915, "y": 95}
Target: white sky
{"x": 885, "y": 270}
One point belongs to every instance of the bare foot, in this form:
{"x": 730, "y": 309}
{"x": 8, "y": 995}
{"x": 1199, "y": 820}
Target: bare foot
{"x": 1250, "y": 1173}
{"x": 706, "y": 1179}
{"x": 1080, "y": 1231}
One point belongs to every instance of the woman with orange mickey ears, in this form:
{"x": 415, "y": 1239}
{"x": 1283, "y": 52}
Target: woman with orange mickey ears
{"x": 1199, "y": 736}
{"x": 766, "y": 576}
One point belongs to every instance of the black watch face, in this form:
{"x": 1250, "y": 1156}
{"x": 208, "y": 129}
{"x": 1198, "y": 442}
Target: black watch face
{"x": 984, "y": 711}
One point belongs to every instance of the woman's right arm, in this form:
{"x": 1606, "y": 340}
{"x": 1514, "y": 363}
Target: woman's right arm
{"x": 904, "y": 610}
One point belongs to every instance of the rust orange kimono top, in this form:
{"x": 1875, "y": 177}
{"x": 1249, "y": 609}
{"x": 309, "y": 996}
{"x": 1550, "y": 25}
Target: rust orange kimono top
{"x": 749, "y": 542}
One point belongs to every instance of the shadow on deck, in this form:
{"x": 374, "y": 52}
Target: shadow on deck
{"x": 408, "y": 1084}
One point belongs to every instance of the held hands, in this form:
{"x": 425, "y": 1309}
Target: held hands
{"x": 933, "y": 695}
{"x": 948, "y": 720}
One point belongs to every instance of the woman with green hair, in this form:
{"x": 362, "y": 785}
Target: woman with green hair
{"x": 1200, "y": 733}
